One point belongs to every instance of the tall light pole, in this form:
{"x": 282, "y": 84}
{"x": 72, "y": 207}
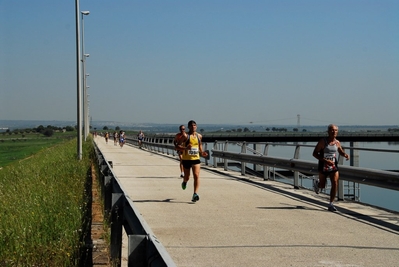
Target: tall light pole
{"x": 85, "y": 116}
{"x": 86, "y": 99}
{"x": 79, "y": 91}
{"x": 87, "y": 108}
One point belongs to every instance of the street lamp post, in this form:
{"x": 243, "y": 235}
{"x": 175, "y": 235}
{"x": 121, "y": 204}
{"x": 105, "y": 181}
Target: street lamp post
{"x": 87, "y": 111}
{"x": 79, "y": 91}
{"x": 87, "y": 102}
{"x": 85, "y": 116}
{"x": 85, "y": 97}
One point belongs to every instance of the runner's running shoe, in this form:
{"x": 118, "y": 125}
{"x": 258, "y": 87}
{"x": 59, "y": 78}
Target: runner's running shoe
{"x": 184, "y": 185}
{"x": 316, "y": 186}
{"x": 332, "y": 208}
{"x": 195, "y": 197}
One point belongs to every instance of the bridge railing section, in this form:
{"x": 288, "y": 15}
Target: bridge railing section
{"x": 373, "y": 177}
{"x": 163, "y": 145}
{"x": 241, "y": 154}
{"x": 144, "y": 249}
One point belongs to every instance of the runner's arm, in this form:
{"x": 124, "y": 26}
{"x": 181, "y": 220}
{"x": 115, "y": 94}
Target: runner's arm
{"x": 341, "y": 151}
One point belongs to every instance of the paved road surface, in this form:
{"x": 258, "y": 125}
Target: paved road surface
{"x": 250, "y": 222}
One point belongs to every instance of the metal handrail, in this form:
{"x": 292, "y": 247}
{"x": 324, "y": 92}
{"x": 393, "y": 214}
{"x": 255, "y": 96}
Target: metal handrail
{"x": 144, "y": 249}
{"x": 379, "y": 178}
{"x": 373, "y": 177}
{"x": 344, "y": 136}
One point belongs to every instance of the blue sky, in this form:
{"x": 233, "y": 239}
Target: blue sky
{"x": 216, "y": 62}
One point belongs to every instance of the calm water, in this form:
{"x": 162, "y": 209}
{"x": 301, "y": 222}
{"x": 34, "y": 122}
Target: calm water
{"x": 379, "y": 160}
{"x": 375, "y": 160}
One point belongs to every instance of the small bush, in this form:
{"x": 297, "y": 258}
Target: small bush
{"x": 48, "y": 132}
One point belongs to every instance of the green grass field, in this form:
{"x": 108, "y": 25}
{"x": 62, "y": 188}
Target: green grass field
{"x": 43, "y": 201}
{"x": 17, "y": 147}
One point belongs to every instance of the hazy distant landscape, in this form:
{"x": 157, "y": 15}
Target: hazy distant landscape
{"x": 171, "y": 128}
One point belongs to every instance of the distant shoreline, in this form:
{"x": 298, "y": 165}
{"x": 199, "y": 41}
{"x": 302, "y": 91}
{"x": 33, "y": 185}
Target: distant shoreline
{"x": 159, "y": 127}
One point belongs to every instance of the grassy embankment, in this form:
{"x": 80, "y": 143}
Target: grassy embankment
{"x": 16, "y": 147}
{"x": 43, "y": 203}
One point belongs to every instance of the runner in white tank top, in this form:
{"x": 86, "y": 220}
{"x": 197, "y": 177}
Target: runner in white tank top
{"x": 326, "y": 152}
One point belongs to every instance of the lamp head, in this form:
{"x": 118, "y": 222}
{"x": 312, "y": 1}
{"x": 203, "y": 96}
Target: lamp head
{"x": 85, "y": 12}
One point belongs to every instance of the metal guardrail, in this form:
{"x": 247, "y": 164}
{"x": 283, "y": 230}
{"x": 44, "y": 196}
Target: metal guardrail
{"x": 144, "y": 249}
{"x": 344, "y": 136}
{"x": 372, "y": 177}
{"x": 163, "y": 145}
{"x": 379, "y": 178}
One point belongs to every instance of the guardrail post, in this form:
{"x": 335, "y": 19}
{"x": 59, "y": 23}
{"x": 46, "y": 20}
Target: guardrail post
{"x": 215, "y": 159}
{"x": 104, "y": 168}
{"x": 100, "y": 158}
{"x": 265, "y": 173}
{"x": 107, "y": 194}
{"x": 296, "y": 173}
{"x": 243, "y": 151}
{"x": 149, "y": 145}
{"x": 226, "y": 161}
{"x": 116, "y": 228}
{"x": 256, "y": 146}
{"x": 341, "y": 185}
{"x": 266, "y": 150}
{"x": 354, "y": 161}
{"x": 354, "y": 154}
{"x": 266, "y": 170}
{"x": 167, "y": 149}
{"x": 137, "y": 251}
{"x": 174, "y": 151}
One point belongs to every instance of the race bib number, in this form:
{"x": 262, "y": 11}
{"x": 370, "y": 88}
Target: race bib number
{"x": 330, "y": 168}
{"x": 193, "y": 151}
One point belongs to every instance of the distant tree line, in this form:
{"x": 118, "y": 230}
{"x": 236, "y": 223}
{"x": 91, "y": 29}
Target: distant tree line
{"x": 46, "y": 131}
{"x": 267, "y": 129}
{"x": 105, "y": 128}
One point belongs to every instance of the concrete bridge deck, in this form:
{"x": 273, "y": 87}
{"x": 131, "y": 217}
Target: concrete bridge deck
{"x": 241, "y": 221}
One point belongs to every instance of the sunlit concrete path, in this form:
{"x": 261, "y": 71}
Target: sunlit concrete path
{"x": 250, "y": 222}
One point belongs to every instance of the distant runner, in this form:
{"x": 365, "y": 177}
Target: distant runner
{"x": 179, "y": 139}
{"x": 326, "y": 151}
{"x": 115, "y": 138}
{"x": 121, "y": 138}
{"x": 140, "y": 137}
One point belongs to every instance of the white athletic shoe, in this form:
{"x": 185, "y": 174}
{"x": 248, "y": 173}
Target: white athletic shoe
{"x": 331, "y": 207}
{"x": 316, "y": 186}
